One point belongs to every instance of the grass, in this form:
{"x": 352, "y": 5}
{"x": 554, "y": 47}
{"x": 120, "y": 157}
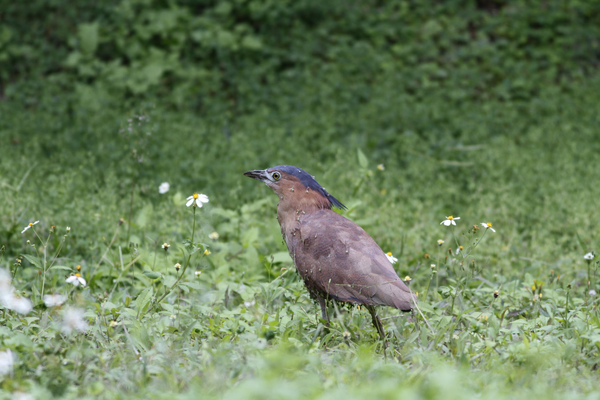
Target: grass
{"x": 244, "y": 327}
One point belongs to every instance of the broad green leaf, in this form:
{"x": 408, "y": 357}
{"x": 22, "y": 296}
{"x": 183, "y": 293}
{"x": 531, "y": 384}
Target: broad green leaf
{"x": 152, "y": 274}
{"x": 35, "y": 261}
{"x": 88, "y": 37}
{"x": 144, "y": 298}
{"x": 362, "y": 159}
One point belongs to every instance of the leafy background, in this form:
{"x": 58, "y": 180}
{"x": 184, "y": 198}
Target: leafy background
{"x": 487, "y": 110}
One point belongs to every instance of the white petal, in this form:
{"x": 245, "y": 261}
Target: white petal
{"x": 81, "y": 280}
{"x": 454, "y": 223}
{"x": 198, "y": 202}
{"x": 190, "y": 201}
{"x": 35, "y": 222}
{"x": 71, "y": 279}
{"x": 24, "y": 229}
{"x": 203, "y": 198}
{"x": 446, "y": 222}
{"x": 492, "y": 229}
{"x": 456, "y": 218}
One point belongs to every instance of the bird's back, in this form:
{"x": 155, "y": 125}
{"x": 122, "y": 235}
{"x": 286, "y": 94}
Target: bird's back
{"x": 338, "y": 259}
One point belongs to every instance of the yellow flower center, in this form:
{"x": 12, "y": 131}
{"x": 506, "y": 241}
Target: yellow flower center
{"x": 407, "y": 278}
{"x": 78, "y": 267}
{"x": 460, "y": 247}
{"x": 78, "y": 275}
{"x": 451, "y": 218}
{"x": 206, "y": 252}
{"x": 489, "y": 224}
{"x": 195, "y": 196}
{"x": 30, "y": 224}
{"x": 389, "y": 253}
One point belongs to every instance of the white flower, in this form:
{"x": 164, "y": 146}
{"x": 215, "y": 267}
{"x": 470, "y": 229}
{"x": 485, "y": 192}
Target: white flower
{"x": 53, "y": 300}
{"x": 7, "y": 360}
{"x": 198, "y": 273}
{"x": 487, "y": 225}
{"x": 440, "y": 242}
{"x": 166, "y": 246}
{"x": 73, "y": 321}
{"x": 164, "y": 188}
{"x": 68, "y": 229}
{"x": 213, "y": 236}
{"x": 76, "y": 280}
{"x": 449, "y": 221}
{"x": 390, "y": 257}
{"x": 592, "y": 292}
{"x": 381, "y": 167}
{"x": 21, "y": 305}
{"x": 249, "y": 304}
{"x": 459, "y": 249}
{"x": 29, "y": 226}
{"x": 197, "y": 200}
{"x": 177, "y": 266}
{"x": 8, "y": 298}
{"x": 589, "y": 256}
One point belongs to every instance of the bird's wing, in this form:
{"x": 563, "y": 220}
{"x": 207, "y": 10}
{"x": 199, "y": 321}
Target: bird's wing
{"x": 339, "y": 258}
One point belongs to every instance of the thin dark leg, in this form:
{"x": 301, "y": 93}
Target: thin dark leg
{"x": 323, "y": 305}
{"x": 376, "y": 322}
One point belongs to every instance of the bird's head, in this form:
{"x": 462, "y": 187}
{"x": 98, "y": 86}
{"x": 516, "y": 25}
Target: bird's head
{"x": 295, "y": 184}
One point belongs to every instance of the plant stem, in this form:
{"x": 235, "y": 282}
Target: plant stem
{"x": 187, "y": 263}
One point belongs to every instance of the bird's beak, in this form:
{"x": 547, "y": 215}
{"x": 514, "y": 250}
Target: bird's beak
{"x": 260, "y": 175}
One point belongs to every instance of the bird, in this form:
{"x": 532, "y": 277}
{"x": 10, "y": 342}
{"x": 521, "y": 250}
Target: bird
{"x": 334, "y": 256}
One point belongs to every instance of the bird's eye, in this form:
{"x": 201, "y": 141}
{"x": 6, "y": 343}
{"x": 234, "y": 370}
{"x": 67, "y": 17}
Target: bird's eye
{"x": 276, "y": 175}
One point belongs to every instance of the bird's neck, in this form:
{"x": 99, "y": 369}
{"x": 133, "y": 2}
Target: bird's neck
{"x": 295, "y": 202}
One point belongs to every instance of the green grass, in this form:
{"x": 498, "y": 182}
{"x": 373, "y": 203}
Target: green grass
{"x": 245, "y": 328}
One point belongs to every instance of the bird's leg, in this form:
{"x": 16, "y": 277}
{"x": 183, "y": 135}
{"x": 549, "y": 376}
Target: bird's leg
{"x": 323, "y": 305}
{"x": 377, "y": 323}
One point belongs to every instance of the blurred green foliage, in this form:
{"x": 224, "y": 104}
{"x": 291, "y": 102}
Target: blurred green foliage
{"x": 193, "y": 52}
{"x": 486, "y": 110}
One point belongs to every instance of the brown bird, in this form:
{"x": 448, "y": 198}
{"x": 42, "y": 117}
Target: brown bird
{"x": 335, "y": 257}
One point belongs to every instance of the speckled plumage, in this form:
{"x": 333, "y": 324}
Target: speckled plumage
{"x": 334, "y": 256}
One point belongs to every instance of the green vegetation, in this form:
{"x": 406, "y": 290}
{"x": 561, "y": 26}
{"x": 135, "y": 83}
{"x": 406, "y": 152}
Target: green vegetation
{"x": 486, "y": 110}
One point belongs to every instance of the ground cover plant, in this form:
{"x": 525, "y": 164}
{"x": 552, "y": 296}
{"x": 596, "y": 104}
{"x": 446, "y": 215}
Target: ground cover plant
{"x": 112, "y": 286}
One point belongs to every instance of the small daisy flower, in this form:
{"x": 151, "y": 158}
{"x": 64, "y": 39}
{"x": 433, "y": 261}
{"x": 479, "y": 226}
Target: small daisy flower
{"x": 164, "y": 188}
{"x": 177, "y": 266}
{"x": 206, "y": 252}
{"x": 487, "y": 225}
{"x": 589, "y": 256}
{"x": 113, "y": 323}
{"x": 68, "y": 229}
{"x": 31, "y": 224}
{"x": 76, "y": 280}
{"x": 346, "y": 335}
{"x": 249, "y": 304}
{"x": 407, "y": 279}
{"x": 213, "y": 236}
{"x": 381, "y": 167}
{"x": 459, "y": 249}
{"x": 390, "y": 257}
{"x": 496, "y": 293}
{"x": 53, "y": 300}
{"x": 196, "y": 200}
{"x": 198, "y": 273}
{"x": 432, "y": 266}
{"x": 166, "y": 246}
{"x": 592, "y": 293}
{"x": 449, "y": 221}
{"x": 440, "y": 242}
